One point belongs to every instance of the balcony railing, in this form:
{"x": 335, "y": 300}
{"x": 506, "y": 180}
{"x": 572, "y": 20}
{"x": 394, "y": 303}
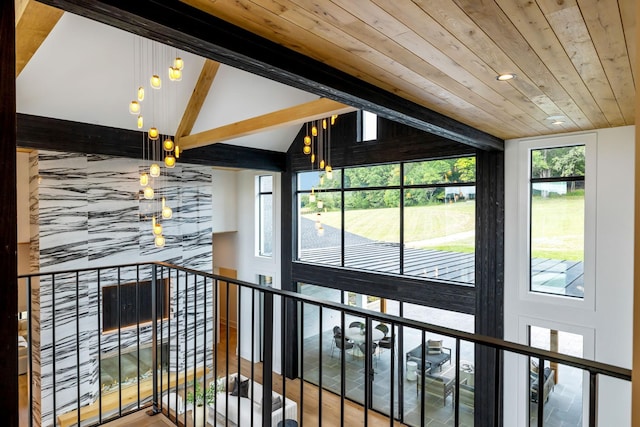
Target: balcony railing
{"x": 169, "y": 351}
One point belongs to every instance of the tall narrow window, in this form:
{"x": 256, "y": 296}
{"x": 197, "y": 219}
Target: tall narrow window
{"x": 265, "y": 214}
{"x": 557, "y": 220}
{"x": 367, "y": 126}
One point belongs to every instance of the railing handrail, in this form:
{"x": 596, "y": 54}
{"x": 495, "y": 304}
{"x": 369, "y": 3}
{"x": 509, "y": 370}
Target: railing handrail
{"x": 591, "y": 366}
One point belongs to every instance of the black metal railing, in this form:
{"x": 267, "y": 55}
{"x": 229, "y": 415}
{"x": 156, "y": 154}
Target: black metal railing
{"x": 181, "y": 355}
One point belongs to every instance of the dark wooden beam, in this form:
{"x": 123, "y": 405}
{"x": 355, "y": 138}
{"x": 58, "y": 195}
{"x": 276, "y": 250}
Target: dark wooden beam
{"x": 43, "y": 133}
{"x": 489, "y": 282}
{"x": 8, "y": 219}
{"x": 180, "y": 25}
{"x": 433, "y": 293}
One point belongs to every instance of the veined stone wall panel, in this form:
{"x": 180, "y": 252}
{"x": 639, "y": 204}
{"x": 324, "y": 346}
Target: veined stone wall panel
{"x": 88, "y": 211}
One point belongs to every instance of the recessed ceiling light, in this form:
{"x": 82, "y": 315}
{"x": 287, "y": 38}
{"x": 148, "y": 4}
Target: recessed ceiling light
{"x": 556, "y": 120}
{"x": 505, "y": 76}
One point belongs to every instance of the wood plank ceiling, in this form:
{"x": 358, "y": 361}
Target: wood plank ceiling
{"x": 573, "y": 59}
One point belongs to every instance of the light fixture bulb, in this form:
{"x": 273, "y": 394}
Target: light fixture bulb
{"x": 177, "y": 151}
{"x": 178, "y": 63}
{"x": 333, "y": 119}
{"x": 320, "y": 204}
{"x": 159, "y": 241}
{"x": 134, "y": 107}
{"x": 314, "y": 131}
{"x": 154, "y": 170}
{"x": 140, "y": 122}
{"x": 144, "y": 179}
{"x": 320, "y": 231}
{"x": 307, "y": 140}
{"x": 313, "y": 158}
{"x": 324, "y": 123}
{"x": 306, "y": 149}
{"x": 168, "y": 144}
{"x": 322, "y": 164}
{"x": 318, "y": 222}
{"x": 175, "y": 75}
{"x": 169, "y": 161}
{"x": 157, "y": 229}
{"x": 329, "y": 172}
{"x": 167, "y": 212}
{"x": 155, "y": 81}
{"x": 148, "y": 193}
{"x": 312, "y": 196}
{"x": 153, "y": 133}
{"x": 141, "y": 93}
{"x": 557, "y": 122}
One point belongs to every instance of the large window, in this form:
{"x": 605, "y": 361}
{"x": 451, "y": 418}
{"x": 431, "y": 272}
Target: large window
{"x": 414, "y": 218}
{"x": 265, "y": 215}
{"x": 557, "y": 220}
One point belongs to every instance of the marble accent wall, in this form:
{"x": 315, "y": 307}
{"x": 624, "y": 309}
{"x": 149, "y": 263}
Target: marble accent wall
{"x": 88, "y": 211}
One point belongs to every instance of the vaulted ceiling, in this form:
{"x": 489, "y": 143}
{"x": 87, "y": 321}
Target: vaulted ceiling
{"x": 574, "y": 60}
{"x": 571, "y": 58}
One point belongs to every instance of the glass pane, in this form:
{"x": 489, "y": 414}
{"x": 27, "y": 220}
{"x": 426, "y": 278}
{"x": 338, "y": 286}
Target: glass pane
{"x": 435, "y": 376}
{"x": 557, "y": 238}
{"x": 266, "y": 224}
{"x": 320, "y": 229}
{"x": 319, "y": 179}
{"x": 372, "y": 176}
{"x": 439, "y": 233}
{"x": 561, "y": 162}
{"x": 440, "y": 171}
{"x": 266, "y": 184}
{"x": 562, "y": 386}
{"x": 369, "y": 126}
{"x": 372, "y": 230}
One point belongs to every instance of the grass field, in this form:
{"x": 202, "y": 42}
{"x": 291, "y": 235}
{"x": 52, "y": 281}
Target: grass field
{"x": 558, "y": 226}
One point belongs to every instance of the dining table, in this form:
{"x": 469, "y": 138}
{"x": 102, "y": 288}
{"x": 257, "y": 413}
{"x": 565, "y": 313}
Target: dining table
{"x": 359, "y": 336}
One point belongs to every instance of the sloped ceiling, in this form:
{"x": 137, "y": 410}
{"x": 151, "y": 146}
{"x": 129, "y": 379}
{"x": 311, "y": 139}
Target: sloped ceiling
{"x": 84, "y": 71}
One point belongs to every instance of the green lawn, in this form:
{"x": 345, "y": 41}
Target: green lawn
{"x": 558, "y": 226}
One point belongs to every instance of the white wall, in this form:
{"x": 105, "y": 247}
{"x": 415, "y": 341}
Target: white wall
{"x": 250, "y": 265}
{"x": 225, "y": 218}
{"x": 604, "y": 317}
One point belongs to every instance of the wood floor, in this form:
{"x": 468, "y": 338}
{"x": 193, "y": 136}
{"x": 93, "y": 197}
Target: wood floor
{"x": 354, "y": 414}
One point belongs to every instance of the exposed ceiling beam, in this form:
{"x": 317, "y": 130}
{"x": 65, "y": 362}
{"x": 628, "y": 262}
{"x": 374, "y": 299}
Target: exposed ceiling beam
{"x": 21, "y": 5}
{"x": 33, "y": 25}
{"x": 177, "y": 24}
{"x": 297, "y": 114}
{"x": 44, "y": 133}
{"x": 200, "y": 92}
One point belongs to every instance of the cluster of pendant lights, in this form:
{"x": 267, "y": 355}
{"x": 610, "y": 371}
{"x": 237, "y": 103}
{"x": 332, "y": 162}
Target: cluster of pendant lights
{"x": 157, "y": 148}
{"x": 317, "y": 145}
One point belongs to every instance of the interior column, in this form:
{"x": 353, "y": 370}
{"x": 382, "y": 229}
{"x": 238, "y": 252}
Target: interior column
{"x": 8, "y": 218}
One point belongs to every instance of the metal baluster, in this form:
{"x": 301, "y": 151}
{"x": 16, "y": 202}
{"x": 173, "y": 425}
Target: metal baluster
{"x": 99, "y": 348}
{"x": 78, "y": 343}
{"x": 302, "y": 365}
{"x": 30, "y": 349}
{"x": 456, "y": 395}
{"x": 343, "y": 385}
{"x": 154, "y": 336}
{"x": 593, "y": 399}
{"x": 267, "y": 365}
{"x": 540, "y": 392}
{"x": 320, "y": 367}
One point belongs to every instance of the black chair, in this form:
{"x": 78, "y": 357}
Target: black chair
{"x": 386, "y": 341}
{"x": 363, "y": 349}
{"x": 356, "y": 324}
{"x": 383, "y": 328}
{"x": 337, "y": 331}
{"x": 337, "y": 343}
